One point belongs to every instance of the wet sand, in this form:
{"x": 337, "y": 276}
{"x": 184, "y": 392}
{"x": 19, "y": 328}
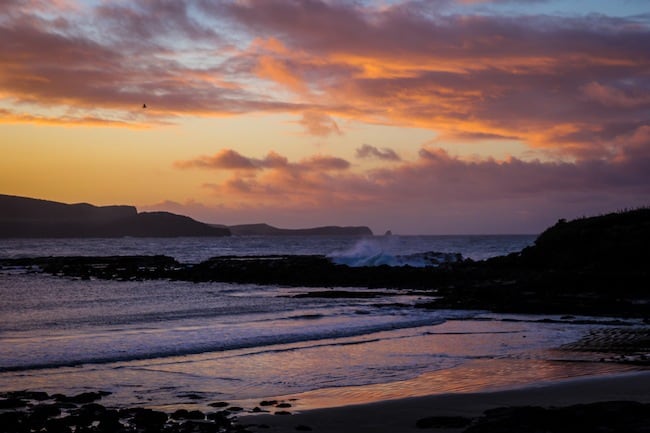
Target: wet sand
{"x": 402, "y": 415}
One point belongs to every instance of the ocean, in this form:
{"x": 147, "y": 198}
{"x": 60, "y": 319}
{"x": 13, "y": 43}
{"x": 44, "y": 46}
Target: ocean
{"x": 166, "y": 344}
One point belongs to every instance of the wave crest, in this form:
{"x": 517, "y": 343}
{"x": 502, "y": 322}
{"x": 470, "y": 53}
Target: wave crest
{"x": 370, "y": 252}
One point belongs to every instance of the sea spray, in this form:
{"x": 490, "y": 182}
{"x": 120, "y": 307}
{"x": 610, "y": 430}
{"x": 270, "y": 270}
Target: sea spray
{"x": 377, "y": 252}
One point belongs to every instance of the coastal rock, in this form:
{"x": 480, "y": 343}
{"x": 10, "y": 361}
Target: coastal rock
{"x": 606, "y": 417}
{"x": 150, "y": 420}
{"x": 185, "y": 414}
{"x": 26, "y": 395}
{"x": 198, "y": 426}
{"x": 221, "y": 419}
{"x": 109, "y": 422}
{"x": 85, "y": 397}
{"x": 179, "y": 414}
{"x": 13, "y": 421}
{"x": 49, "y": 417}
{"x": 93, "y": 410}
{"x": 443, "y": 422}
{"x": 58, "y": 425}
{"x": 12, "y": 403}
{"x": 235, "y": 409}
{"x": 46, "y": 410}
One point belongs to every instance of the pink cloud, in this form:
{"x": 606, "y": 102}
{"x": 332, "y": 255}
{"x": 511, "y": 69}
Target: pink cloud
{"x": 324, "y": 162}
{"x": 617, "y": 98}
{"x": 319, "y": 124}
{"x": 479, "y": 76}
{"x": 433, "y": 193}
{"x": 439, "y": 177}
{"x": 385, "y": 154}
{"x": 560, "y": 83}
{"x": 226, "y": 159}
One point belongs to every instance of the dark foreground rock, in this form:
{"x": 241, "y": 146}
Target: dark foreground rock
{"x": 605, "y": 417}
{"x": 443, "y": 422}
{"x": 47, "y": 415}
{"x": 595, "y": 265}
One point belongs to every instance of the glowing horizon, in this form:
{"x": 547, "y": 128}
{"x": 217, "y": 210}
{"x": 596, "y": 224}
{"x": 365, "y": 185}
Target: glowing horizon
{"x": 453, "y": 116}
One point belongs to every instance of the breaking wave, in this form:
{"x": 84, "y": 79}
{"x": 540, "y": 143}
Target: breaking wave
{"x": 373, "y": 252}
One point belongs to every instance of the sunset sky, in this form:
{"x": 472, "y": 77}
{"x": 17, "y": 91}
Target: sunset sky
{"x": 423, "y": 117}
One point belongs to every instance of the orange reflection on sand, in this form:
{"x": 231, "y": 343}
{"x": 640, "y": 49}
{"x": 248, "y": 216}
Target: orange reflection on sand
{"x": 477, "y": 376}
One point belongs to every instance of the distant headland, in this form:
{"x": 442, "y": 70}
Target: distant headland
{"x": 267, "y": 230}
{"x": 23, "y": 217}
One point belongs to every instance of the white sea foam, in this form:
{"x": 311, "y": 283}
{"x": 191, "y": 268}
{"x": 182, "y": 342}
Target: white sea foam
{"x": 379, "y": 251}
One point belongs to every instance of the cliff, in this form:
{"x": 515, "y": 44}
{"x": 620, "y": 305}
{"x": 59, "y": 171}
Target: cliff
{"x": 22, "y": 217}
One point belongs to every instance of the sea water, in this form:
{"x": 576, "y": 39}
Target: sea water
{"x": 163, "y": 343}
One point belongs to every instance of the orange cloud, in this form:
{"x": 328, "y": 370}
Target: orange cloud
{"x": 530, "y": 78}
{"x": 572, "y": 85}
{"x": 435, "y": 191}
{"x": 434, "y": 176}
{"x": 319, "y": 124}
{"x": 10, "y": 117}
{"x": 278, "y": 71}
{"x": 226, "y": 159}
{"x": 613, "y": 97}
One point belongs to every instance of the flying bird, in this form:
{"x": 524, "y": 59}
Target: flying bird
{"x": 144, "y": 105}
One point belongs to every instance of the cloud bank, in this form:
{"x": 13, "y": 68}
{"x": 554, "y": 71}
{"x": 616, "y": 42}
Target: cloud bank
{"x": 572, "y": 84}
{"x": 573, "y": 87}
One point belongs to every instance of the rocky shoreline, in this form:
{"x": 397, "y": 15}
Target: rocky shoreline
{"x": 34, "y": 411}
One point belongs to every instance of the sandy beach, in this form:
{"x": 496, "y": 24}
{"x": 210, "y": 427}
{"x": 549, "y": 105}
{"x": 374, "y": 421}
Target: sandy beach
{"x": 401, "y": 415}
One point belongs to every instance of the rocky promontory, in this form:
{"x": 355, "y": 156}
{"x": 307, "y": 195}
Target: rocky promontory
{"x": 267, "y": 230}
{"x": 23, "y": 217}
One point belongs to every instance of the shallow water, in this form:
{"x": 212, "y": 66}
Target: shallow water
{"x": 165, "y": 343}
{"x": 194, "y": 250}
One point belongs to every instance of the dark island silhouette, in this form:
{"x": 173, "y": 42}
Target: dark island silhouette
{"x": 267, "y": 230}
{"x": 23, "y": 217}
